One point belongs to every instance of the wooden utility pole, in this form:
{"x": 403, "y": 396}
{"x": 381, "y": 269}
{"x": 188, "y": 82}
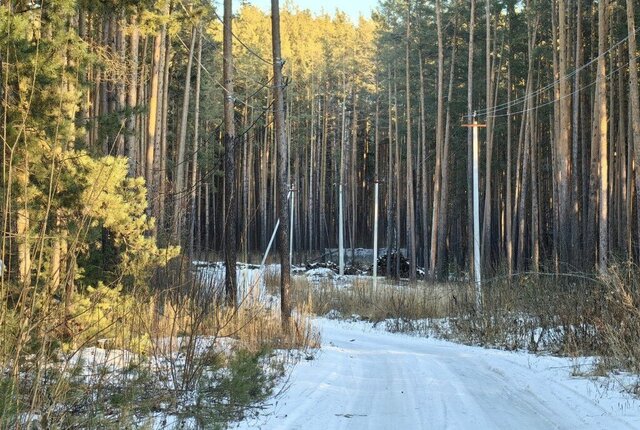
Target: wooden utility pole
{"x": 340, "y": 185}
{"x": 376, "y": 187}
{"x": 231, "y": 213}
{"x": 411, "y": 221}
{"x": 283, "y": 157}
{"x": 476, "y": 214}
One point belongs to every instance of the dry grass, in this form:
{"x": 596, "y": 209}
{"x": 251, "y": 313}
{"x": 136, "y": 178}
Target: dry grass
{"x": 530, "y": 312}
{"x": 619, "y": 323}
{"x": 567, "y": 314}
{"x": 385, "y": 301}
{"x": 272, "y": 280}
{"x": 158, "y": 325}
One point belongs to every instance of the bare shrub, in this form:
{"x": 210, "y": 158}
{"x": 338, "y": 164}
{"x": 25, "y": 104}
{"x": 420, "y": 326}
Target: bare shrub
{"x": 168, "y": 349}
{"x": 385, "y": 301}
{"x": 272, "y": 279}
{"x": 620, "y": 321}
{"x": 533, "y": 312}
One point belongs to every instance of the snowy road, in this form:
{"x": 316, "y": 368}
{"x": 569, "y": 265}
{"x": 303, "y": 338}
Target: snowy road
{"x": 368, "y": 379}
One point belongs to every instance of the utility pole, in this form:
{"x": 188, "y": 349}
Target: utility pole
{"x": 340, "y": 201}
{"x": 476, "y": 213}
{"x": 375, "y": 234}
{"x": 283, "y": 161}
{"x": 376, "y": 187}
{"x": 340, "y": 232}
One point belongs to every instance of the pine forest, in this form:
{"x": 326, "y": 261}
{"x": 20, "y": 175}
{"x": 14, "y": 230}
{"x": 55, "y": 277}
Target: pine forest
{"x": 174, "y": 170}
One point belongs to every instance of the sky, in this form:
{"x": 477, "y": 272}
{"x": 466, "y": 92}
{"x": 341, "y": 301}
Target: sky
{"x": 353, "y": 8}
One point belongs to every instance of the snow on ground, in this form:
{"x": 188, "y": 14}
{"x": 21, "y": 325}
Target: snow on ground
{"x": 365, "y": 378}
{"x": 250, "y": 279}
{"x": 320, "y": 273}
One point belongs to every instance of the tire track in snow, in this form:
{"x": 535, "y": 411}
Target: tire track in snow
{"x": 368, "y": 379}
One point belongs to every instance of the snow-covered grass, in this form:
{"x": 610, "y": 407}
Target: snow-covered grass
{"x": 204, "y": 365}
{"x": 184, "y": 382}
{"x": 199, "y": 363}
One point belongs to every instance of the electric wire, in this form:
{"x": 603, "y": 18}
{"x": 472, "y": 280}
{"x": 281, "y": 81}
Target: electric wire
{"x": 251, "y": 51}
{"x": 492, "y": 112}
{"x": 217, "y": 82}
{"x": 554, "y": 100}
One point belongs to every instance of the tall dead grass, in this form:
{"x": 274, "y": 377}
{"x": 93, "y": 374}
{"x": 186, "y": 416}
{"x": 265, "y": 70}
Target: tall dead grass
{"x": 385, "y": 301}
{"x": 619, "y": 322}
{"x": 561, "y": 314}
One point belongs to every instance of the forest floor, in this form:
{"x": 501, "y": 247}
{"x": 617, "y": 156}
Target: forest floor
{"x": 366, "y": 378}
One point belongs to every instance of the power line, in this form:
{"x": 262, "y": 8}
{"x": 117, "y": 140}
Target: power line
{"x": 217, "y": 82}
{"x": 491, "y": 113}
{"x": 211, "y": 172}
{"x": 550, "y": 102}
{"x": 251, "y": 51}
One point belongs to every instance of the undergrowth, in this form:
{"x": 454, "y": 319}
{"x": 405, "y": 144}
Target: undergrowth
{"x": 168, "y": 357}
{"x": 568, "y": 315}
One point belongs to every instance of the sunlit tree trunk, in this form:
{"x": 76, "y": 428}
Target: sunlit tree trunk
{"x": 563, "y": 156}
{"x": 435, "y": 226}
{"x": 576, "y": 208}
{"x": 634, "y": 100}
{"x": 196, "y": 186}
{"x": 132, "y": 98}
{"x": 602, "y": 127}
{"x": 471, "y": 44}
{"x": 180, "y": 199}
{"x": 489, "y": 77}
{"x": 411, "y": 221}
{"x": 152, "y": 123}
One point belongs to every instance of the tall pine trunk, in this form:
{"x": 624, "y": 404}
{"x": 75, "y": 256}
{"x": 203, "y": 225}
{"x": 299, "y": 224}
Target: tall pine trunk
{"x": 435, "y": 226}
{"x": 470, "y": 240}
{"x": 195, "y": 184}
{"x": 180, "y": 189}
{"x": 231, "y": 212}
{"x": 411, "y": 221}
{"x": 444, "y": 196}
{"x": 132, "y": 99}
{"x": 283, "y": 157}
{"x": 563, "y": 157}
{"x": 152, "y": 122}
{"x": 602, "y": 128}
{"x": 634, "y": 98}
